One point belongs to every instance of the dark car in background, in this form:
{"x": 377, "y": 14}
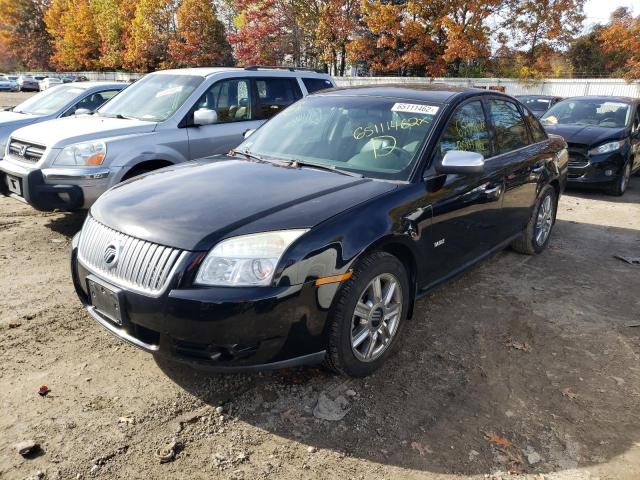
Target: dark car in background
{"x": 539, "y": 104}
{"x": 311, "y": 241}
{"x": 603, "y": 134}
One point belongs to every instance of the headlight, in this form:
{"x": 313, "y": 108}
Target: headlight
{"x": 607, "y": 148}
{"x": 248, "y": 260}
{"x": 82, "y": 154}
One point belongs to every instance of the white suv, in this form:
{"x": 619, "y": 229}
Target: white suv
{"x": 167, "y": 117}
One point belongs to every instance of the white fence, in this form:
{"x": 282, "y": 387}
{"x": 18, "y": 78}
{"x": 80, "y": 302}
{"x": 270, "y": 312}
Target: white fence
{"x": 563, "y": 87}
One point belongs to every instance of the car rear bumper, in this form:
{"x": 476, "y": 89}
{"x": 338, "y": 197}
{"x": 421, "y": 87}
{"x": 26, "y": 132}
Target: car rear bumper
{"x": 53, "y": 189}
{"x": 219, "y": 329}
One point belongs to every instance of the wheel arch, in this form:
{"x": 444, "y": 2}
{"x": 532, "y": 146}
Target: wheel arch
{"x": 146, "y": 165}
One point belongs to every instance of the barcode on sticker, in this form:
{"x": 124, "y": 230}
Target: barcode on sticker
{"x": 415, "y": 108}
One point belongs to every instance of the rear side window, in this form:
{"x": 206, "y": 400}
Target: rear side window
{"x": 316, "y": 84}
{"x": 276, "y": 94}
{"x": 509, "y": 125}
{"x": 467, "y": 131}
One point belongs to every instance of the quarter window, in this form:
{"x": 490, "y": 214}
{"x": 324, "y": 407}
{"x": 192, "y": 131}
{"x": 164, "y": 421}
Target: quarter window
{"x": 467, "y": 131}
{"x": 509, "y": 125}
{"x": 231, "y": 99}
{"x": 316, "y": 84}
{"x": 276, "y": 94}
{"x": 537, "y": 130}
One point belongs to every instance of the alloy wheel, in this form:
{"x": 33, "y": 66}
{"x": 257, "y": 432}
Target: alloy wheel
{"x": 544, "y": 222}
{"x": 626, "y": 175}
{"x": 376, "y": 317}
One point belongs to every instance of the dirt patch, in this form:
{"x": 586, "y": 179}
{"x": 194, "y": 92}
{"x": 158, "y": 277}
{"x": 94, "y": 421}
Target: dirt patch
{"x": 526, "y": 364}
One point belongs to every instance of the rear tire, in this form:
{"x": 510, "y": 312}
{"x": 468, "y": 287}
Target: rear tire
{"x": 620, "y": 186}
{"x": 536, "y": 235}
{"x": 368, "y": 314}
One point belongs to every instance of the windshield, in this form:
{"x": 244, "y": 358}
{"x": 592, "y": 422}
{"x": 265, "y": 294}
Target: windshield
{"x": 536, "y": 104}
{"x": 49, "y": 101}
{"x": 588, "y": 112}
{"x": 154, "y": 98}
{"x": 375, "y": 137}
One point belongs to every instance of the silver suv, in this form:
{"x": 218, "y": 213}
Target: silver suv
{"x": 167, "y": 117}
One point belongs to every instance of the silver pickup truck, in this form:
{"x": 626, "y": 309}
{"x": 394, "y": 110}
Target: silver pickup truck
{"x": 165, "y": 118}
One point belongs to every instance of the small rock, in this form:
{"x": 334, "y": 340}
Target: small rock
{"x": 350, "y": 393}
{"x": 533, "y": 457}
{"x": 27, "y": 448}
{"x": 43, "y": 390}
{"x": 473, "y": 454}
{"x": 95, "y": 469}
{"x": 331, "y": 410}
{"x": 167, "y": 453}
{"x": 312, "y": 450}
{"x": 219, "y": 410}
{"x": 509, "y": 414}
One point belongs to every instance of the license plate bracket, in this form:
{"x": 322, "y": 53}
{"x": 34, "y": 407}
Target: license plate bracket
{"x": 14, "y": 184}
{"x": 106, "y": 299}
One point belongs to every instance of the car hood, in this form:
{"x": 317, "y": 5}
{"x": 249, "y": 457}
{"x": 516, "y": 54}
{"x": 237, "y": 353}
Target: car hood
{"x": 10, "y": 121}
{"x": 61, "y": 132}
{"x": 589, "y": 135}
{"x": 194, "y": 205}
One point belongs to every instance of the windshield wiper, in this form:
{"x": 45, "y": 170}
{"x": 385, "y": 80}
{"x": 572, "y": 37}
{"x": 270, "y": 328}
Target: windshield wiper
{"x": 320, "y": 166}
{"x": 117, "y": 115}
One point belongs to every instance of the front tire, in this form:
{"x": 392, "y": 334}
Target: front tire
{"x": 536, "y": 235}
{"x": 369, "y": 312}
{"x": 618, "y": 188}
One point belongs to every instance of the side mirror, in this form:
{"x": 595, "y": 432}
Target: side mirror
{"x": 83, "y": 111}
{"x": 204, "y": 116}
{"x": 248, "y": 133}
{"x": 461, "y": 162}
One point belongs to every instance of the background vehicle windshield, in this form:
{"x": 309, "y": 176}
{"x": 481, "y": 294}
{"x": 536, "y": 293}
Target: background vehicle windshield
{"x": 536, "y": 104}
{"x": 49, "y": 101}
{"x": 588, "y": 112}
{"x": 376, "y": 137}
{"x": 154, "y": 98}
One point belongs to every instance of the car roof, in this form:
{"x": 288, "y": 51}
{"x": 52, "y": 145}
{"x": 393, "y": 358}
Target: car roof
{"x": 208, "y": 71}
{"x": 606, "y": 98}
{"x": 435, "y": 92}
{"x": 538, "y": 96}
{"x": 96, "y": 84}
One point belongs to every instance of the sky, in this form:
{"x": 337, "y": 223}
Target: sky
{"x": 598, "y": 11}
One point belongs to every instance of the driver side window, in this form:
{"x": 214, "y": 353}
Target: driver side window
{"x": 467, "y": 131}
{"x": 230, "y": 99}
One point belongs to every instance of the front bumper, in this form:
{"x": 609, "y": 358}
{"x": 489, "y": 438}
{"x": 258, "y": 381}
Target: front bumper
{"x": 53, "y": 188}
{"x": 597, "y": 170}
{"x": 219, "y": 329}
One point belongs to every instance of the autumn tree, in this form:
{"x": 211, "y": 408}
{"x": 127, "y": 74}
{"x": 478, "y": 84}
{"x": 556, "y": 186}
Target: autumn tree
{"x": 152, "y": 29}
{"x": 543, "y": 23}
{"x": 336, "y": 23}
{"x": 261, "y": 35}
{"x": 24, "y": 39}
{"x": 621, "y": 39}
{"x": 114, "y": 18}
{"x": 200, "y": 37}
{"x": 73, "y": 30}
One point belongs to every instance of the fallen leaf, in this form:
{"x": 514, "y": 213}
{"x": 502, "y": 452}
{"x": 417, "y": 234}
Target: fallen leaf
{"x": 569, "y": 394}
{"x": 422, "y": 449}
{"x": 496, "y": 439}
{"x": 43, "y": 390}
{"x": 523, "y": 346}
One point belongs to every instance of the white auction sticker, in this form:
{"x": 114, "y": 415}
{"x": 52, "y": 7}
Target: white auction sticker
{"x": 415, "y": 108}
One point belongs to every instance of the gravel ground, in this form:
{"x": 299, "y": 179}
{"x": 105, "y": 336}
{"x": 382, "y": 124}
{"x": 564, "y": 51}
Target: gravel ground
{"x": 523, "y": 364}
{"x": 11, "y": 99}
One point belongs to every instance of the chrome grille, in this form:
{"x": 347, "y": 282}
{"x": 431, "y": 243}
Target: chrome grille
{"x": 26, "y": 151}
{"x": 141, "y": 265}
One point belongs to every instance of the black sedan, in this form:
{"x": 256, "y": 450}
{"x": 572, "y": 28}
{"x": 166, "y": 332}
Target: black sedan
{"x": 539, "y": 104}
{"x": 313, "y": 239}
{"x": 603, "y": 134}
